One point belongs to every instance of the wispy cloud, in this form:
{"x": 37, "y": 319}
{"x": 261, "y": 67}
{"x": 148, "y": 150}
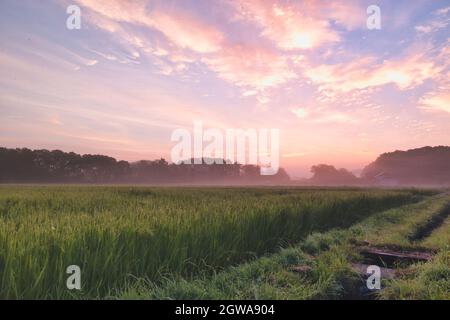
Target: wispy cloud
{"x": 322, "y": 116}
{"x": 440, "y": 20}
{"x": 250, "y": 67}
{"x": 408, "y": 72}
{"x": 179, "y": 27}
{"x": 288, "y": 26}
{"x": 436, "y": 101}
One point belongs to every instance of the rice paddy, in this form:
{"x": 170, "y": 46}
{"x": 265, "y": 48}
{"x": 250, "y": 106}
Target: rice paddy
{"x": 117, "y": 234}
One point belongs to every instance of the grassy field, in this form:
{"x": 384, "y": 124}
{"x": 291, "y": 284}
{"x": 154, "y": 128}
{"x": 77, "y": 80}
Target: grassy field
{"x": 328, "y": 256}
{"x": 173, "y": 242}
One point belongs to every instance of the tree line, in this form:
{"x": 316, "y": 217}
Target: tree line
{"x": 22, "y": 165}
{"x": 422, "y": 166}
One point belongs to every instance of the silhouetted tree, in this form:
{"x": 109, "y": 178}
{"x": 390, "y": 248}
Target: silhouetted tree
{"x": 324, "y": 174}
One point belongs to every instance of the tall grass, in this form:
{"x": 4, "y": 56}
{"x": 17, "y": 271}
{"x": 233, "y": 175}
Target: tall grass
{"x": 114, "y": 233}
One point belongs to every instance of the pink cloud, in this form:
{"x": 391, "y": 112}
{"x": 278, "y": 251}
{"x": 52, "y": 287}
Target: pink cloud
{"x": 179, "y": 27}
{"x": 187, "y": 32}
{"x": 322, "y": 116}
{"x": 251, "y": 67}
{"x": 349, "y": 14}
{"x": 364, "y": 72}
{"x": 436, "y": 101}
{"x": 290, "y": 27}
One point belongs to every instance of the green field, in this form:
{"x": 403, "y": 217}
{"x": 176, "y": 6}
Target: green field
{"x": 134, "y": 242}
{"x": 329, "y": 256}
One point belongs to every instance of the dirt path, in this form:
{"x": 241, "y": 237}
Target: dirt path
{"x": 433, "y": 223}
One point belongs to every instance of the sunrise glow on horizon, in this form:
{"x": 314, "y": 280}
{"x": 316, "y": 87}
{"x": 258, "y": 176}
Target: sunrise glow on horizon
{"x": 339, "y": 92}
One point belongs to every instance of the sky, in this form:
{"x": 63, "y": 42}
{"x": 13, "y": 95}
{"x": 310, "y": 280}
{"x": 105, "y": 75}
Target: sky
{"x": 339, "y": 92}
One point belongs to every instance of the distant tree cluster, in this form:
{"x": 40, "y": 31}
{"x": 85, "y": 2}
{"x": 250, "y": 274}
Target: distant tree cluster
{"x": 427, "y": 166}
{"x": 44, "y": 166}
{"x": 422, "y": 166}
{"x": 324, "y": 174}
